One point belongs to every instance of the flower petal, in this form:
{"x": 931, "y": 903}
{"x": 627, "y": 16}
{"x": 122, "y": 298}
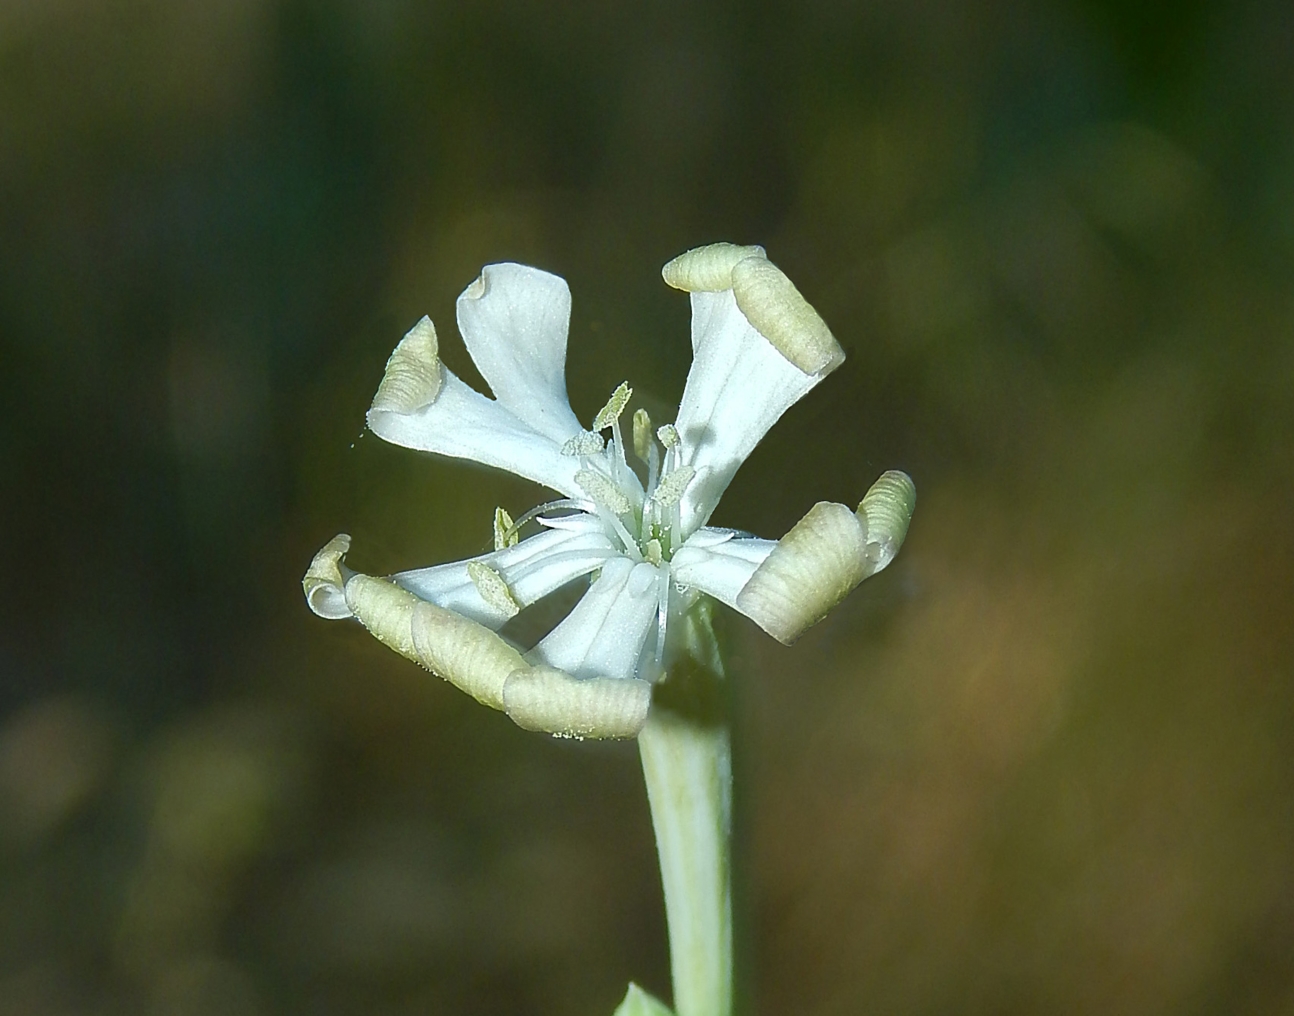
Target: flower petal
{"x": 466, "y": 654}
{"x": 825, "y": 555}
{"x": 464, "y": 424}
{"x": 552, "y": 701}
{"x": 514, "y": 320}
{"x": 887, "y": 506}
{"x": 323, "y": 580}
{"x": 605, "y": 633}
{"x": 812, "y": 568}
{"x": 738, "y": 387}
{"x": 531, "y": 569}
{"x": 720, "y": 567}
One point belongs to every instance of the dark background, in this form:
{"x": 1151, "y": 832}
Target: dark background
{"x": 1044, "y": 764}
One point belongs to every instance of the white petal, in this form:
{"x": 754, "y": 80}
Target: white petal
{"x": 720, "y": 568}
{"x": 514, "y": 321}
{"x": 605, "y": 633}
{"x": 532, "y": 569}
{"x": 738, "y": 387}
{"x": 464, "y": 424}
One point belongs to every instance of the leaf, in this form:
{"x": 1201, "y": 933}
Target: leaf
{"x": 638, "y": 1003}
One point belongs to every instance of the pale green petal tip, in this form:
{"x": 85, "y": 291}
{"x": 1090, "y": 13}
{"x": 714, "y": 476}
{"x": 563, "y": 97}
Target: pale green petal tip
{"x": 552, "y": 701}
{"x": 412, "y": 378}
{"x": 323, "y": 582}
{"x": 386, "y": 611}
{"x": 782, "y": 315}
{"x": 707, "y": 269}
{"x": 639, "y": 1003}
{"x": 887, "y": 509}
{"x": 812, "y": 568}
{"x": 825, "y": 555}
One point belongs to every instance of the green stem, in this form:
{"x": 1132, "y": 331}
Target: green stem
{"x": 687, "y": 765}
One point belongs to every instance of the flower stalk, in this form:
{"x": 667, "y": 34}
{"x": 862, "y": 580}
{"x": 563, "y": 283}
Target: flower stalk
{"x": 687, "y": 764}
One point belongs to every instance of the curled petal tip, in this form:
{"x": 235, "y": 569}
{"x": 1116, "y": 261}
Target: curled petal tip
{"x": 887, "y": 510}
{"x": 707, "y": 269}
{"x": 782, "y": 315}
{"x": 412, "y": 378}
{"x": 552, "y": 701}
{"x": 323, "y": 582}
{"x": 812, "y": 568}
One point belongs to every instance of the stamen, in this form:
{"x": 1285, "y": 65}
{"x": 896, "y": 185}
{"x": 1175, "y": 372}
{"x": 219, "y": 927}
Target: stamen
{"x": 604, "y": 493}
{"x": 662, "y": 614}
{"x": 583, "y": 443}
{"x": 609, "y": 413}
{"x": 653, "y": 465}
{"x": 505, "y": 530}
{"x": 642, "y": 434}
{"x": 492, "y": 588}
{"x": 669, "y": 491}
{"x": 539, "y": 509}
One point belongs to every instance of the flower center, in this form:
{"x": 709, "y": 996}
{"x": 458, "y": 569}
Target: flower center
{"x": 639, "y": 507}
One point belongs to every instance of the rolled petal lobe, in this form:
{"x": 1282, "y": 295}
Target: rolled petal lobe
{"x": 707, "y": 269}
{"x": 888, "y": 508}
{"x": 466, "y": 654}
{"x": 550, "y": 700}
{"x": 775, "y": 307}
{"x": 412, "y": 376}
{"x": 812, "y": 568}
{"x": 386, "y": 611}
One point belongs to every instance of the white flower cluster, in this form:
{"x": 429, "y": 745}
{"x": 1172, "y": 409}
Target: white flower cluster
{"x": 632, "y": 513}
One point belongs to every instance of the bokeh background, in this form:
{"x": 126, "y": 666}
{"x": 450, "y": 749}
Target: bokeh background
{"x": 1043, "y": 764}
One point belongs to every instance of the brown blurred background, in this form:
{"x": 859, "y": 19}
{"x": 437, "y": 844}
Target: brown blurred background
{"x": 1044, "y": 764}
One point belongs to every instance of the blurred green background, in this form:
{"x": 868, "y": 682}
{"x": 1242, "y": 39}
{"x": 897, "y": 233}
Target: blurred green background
{"x": 1044, "y": 764}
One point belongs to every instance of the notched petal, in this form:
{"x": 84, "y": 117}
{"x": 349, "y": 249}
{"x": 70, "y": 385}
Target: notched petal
{"x": 887, "y": 508}
{"x": 412, "y": 379}
{"x": 707, "y": 269}
{"x": 550, "y": 700}
{"x": 323, "y": 581}
{"x": 812, "y": 568}
{"x": 775, "y": 307}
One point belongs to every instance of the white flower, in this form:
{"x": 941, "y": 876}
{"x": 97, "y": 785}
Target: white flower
{"x": 633, "y": 512}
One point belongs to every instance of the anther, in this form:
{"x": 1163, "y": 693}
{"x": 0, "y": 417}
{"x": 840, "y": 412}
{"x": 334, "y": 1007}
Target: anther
{"x": 493, "y": 589}
{"x": 610, "y": 413}
{"x": 668, "y": 435}
{"x": 669, "y": 491}
{"x": 505, "y": 530}
{"x": 642, "y": 434}
{"x": 583, "y": 443}
{"x": 603, "y": 492}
